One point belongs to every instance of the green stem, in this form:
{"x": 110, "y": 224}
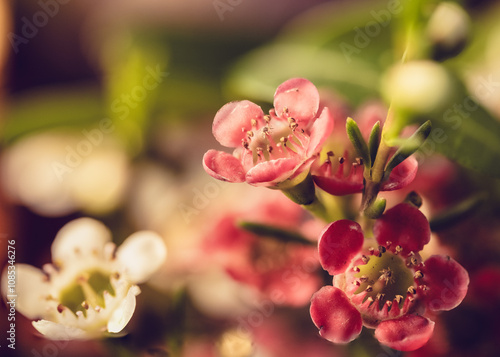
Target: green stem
{"x": 318, "y": 209}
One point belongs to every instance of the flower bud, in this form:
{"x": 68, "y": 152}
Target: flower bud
{"x": 448, "y": 30}
{"x": 418, "y": 87}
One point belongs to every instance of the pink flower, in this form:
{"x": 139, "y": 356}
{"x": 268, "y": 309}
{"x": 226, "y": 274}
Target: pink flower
{"x": 388, "y": 288}
{"x": 284, "y": 272}
{"x": 274, "y": 148}
{"x": 342, "y": 172}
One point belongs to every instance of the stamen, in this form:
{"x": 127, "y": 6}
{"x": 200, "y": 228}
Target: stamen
{"x": 340, "y": 169}
{"x": 266, "y": 131}
{"x": 418, "y": 274}
{"x": 254, "y": 122}
{"x": 369, "y": 289}
{"x": 60, "y": 308}
{"x": 398, "y": 249}
{"x": 412, "y": 290}
{"x": 365, "y": 259}
{"x": 356, "y": 269}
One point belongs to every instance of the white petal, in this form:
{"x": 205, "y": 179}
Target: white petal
{"x": 80, "y": 238}
{"x": 141, "y": 255}
{"x": 30, "y": 287}
{"x": 123, "y": 313}
{"x": 55, "y": 331}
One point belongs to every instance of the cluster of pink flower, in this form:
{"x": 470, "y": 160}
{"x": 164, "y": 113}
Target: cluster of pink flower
{"x": 381, "y": 282}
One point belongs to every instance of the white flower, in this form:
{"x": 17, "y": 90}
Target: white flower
{"x": 89, "y": 291}
{"x": 49, "y": 173}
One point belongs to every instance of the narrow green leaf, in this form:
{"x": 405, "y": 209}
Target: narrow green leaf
{"x": 279, "y": 234}
{"x": 457, "y": 213}
{"x": 409, "y": 146}
{"x": 413, "y": 198}
{"x": 358, "y": 141}
{"x": 374, "y": 141}
{"x": 376, "y": 209}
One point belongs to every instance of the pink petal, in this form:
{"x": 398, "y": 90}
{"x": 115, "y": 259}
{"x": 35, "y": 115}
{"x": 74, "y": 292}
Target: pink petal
{"x": 407, "y": 333}
{"x": 338, "y": 186}
{"x": 320, "y": 131}
{"x": 338, "y": 244}
{"x": 223, "y": 166}
{"x": 402, "y": 175}
{"x": 447, "y": 282}
{"x": 270, "y": 173}
{"x": 300, "y": 97}
{"x": 331, "y": 311}
{"x": 233, "y": 120}
{"x": 403, "y": 225}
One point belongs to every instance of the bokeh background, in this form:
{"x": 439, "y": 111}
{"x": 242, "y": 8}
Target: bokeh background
{"x": 141, "y": 81}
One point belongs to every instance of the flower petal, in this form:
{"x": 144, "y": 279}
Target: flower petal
{"x": 55, "y": 331}
{"x": 402, "y": 175}
{"x": 447, "y": 282}
{"x": 30, "y": 288}
{"x": 403, "y": 225}
{"x": 320, "y": 131}
{"x": 270, "y": 173}
{"x": 223, "y": 166}
{"x": 233, "y": 120}
{"x": 141, "y": 255}
{"x": 300, "y": 98}
{"x": 123, "y": 313}
{"x": 339, "y": 242}
{"x": 406, "y": 333}
{"x": 331, "y": 311}
{"x": 80, "y": 237}
{"x": 338, "y": 186}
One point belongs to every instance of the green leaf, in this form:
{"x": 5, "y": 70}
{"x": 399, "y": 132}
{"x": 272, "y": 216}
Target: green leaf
{"x": 409, "y": 146}
{"x": 332, "y": 46}
{"x": 50, "y": 108}
{"x": 467, "y": 133}
{"x": 258, "y": 74}
{"x": 358, "y": 141}
{"x": 376, "y": 209}
{"x": 275, "y": 232}
{"x": 457, "y": 213}
{"x": 374, "y": 141}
